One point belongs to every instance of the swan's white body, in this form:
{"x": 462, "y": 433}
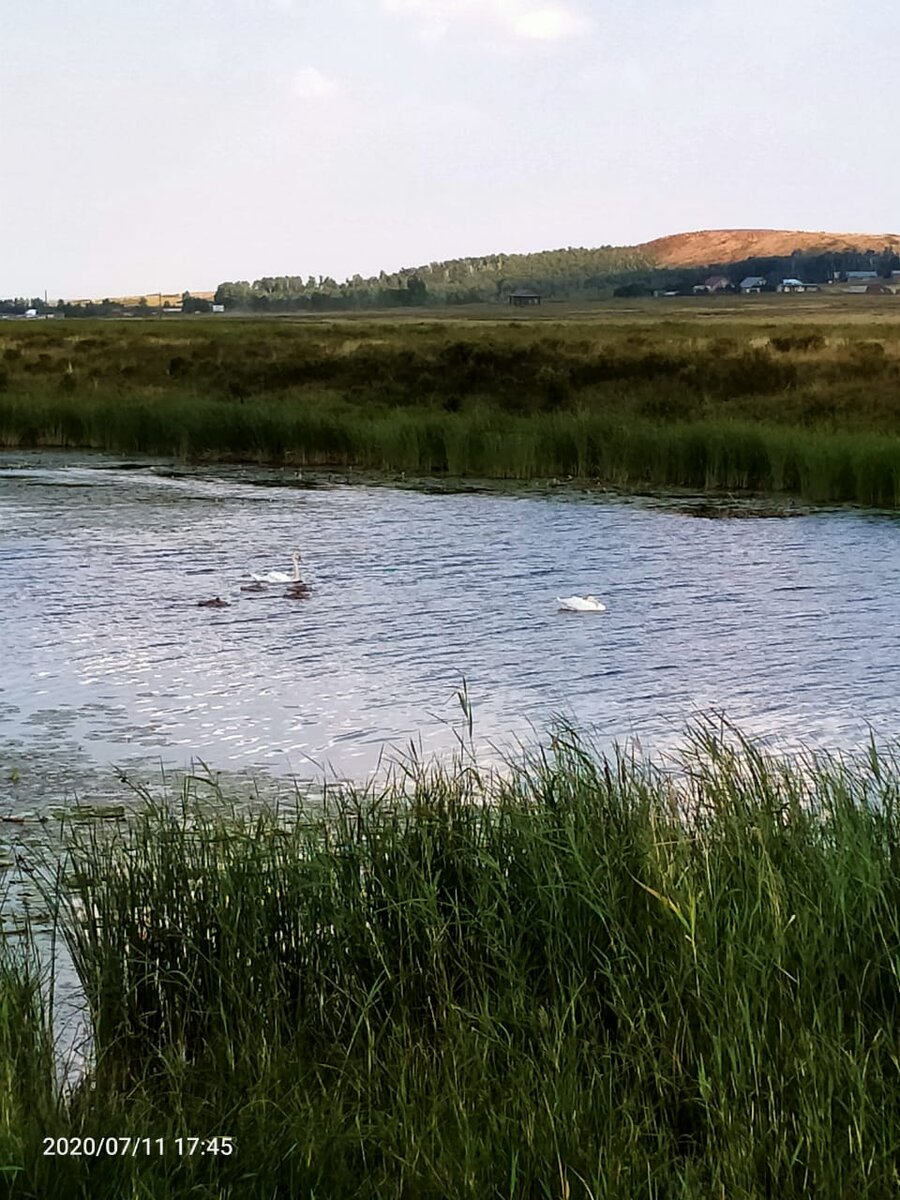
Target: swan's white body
{"x": 281, "y": 576}
{"x": 580, "y": 604}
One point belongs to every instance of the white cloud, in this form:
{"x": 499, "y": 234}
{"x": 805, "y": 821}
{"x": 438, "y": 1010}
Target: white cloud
{"x": 529, "y": 20}
{"x": 309, "y": 83}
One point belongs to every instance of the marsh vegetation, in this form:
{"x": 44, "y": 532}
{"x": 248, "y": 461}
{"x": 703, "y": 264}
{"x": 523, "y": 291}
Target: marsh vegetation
{"x": 807, "y": 409}
{"x": 582, "y": 976}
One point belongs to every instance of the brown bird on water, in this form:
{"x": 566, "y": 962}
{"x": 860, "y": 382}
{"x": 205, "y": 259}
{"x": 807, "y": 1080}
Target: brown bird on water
{"x": 298, "y": 591}
{"x": 216, "y": 603}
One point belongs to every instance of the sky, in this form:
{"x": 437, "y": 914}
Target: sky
{"x": 174, "y": 144}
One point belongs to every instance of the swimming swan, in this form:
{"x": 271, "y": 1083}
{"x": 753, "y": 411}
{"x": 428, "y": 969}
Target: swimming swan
{"x": 580, "y": 604}
{"x": 281, "y": 576}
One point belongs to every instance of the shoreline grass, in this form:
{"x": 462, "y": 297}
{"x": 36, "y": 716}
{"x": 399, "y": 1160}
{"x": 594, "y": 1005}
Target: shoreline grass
{"x": 861, "y": 468}
{"x": 587, "y": 976}
{"x": 807, "y": 410}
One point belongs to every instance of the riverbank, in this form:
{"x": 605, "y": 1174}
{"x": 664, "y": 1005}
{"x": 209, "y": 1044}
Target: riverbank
{"x": 810, "y": 410}
{"x": 582, "y": 977}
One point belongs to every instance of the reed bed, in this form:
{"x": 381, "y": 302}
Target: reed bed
{"x": 599, "y": 447}
{"x": 583, "y": 976}
{"x": 808, "y": 410}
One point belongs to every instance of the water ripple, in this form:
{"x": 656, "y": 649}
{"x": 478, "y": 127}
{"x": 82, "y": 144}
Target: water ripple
{"x": 790, "y": 627}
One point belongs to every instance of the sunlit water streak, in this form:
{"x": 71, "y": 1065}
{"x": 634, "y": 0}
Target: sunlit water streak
{"x": 789, "y": 626}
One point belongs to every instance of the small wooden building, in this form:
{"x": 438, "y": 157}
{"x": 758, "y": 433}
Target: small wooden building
{"x": 523, "y": 296}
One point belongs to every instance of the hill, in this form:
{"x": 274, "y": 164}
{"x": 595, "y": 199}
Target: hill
{"x": 674, "y": 264}
{"x": 677, "y": 264}
{"x": 718, "y": 246}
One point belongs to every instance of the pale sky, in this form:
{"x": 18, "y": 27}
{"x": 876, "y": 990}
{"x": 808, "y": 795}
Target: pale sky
{"x": 172, "y": 144}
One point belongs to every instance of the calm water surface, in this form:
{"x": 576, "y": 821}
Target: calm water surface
{"x": 789, "y": 626}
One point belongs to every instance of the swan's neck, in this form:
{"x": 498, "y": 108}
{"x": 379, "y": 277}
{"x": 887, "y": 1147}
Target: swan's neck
{"x": 296, "y": 558}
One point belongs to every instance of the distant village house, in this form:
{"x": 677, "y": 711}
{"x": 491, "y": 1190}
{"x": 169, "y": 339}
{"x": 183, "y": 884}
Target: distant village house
{"x": 796, "y": 285}
{"x": 752, "y": 285}
{"x": 522, "y": 296}
{"x": 715, "y": 283}
{"x": 869, "y": 289}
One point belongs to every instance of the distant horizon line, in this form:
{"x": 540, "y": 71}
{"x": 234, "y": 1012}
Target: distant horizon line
{"x": 155, "y": 296}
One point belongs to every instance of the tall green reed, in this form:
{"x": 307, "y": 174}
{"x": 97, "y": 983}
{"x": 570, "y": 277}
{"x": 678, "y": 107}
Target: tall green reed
{"x": 28, "y": 1084}
{"x": 603, "y": 447}
{"x": 582, "y": 975}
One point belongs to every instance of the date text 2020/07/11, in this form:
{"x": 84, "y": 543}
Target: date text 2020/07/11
{"x": 133, "y": 1147}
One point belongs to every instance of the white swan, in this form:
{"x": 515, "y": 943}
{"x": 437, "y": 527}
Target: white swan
{"x": 281, "y": 576}
{"x": 580, "y": 604}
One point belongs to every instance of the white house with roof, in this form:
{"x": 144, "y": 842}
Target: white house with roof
{"x": 752, "y": 285}
{"x": 796, "y": 285}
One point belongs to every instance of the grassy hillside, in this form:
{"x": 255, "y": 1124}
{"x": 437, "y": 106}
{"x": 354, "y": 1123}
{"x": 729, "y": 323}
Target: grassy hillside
{"x": 578, "y": 273}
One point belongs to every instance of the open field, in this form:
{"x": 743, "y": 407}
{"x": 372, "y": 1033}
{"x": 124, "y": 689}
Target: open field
{"x": 587, "y": 977}
{"x": 152, "y": 299}
{"x": 782, "y": 393}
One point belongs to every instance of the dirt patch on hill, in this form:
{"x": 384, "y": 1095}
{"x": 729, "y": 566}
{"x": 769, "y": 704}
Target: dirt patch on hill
{"x": 710, "y": 246}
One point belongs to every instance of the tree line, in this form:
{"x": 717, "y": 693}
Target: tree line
{"x": 573, "y": 274}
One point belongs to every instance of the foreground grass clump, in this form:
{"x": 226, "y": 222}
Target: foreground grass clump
{"x": 27, "y": 1071}
{"x": 754, "y": 405}
{"x": 585, "y": 977}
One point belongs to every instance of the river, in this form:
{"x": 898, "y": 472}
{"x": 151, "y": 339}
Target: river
{"x": 788, "y": 626}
